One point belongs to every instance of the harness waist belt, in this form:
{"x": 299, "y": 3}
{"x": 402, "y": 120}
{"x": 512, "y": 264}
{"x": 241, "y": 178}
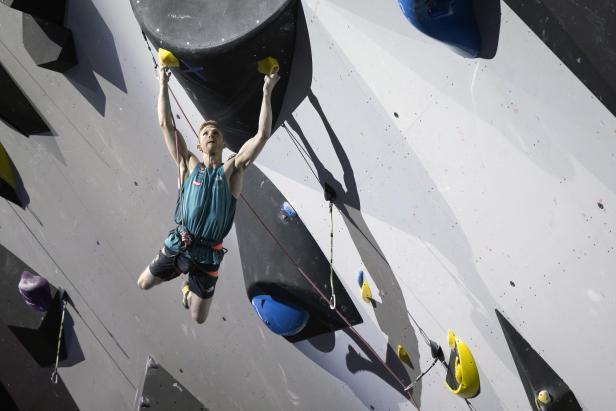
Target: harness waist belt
{"x": 214, "y": 245}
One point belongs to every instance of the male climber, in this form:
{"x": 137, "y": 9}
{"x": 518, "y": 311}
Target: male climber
{"x": 206, "y": 208}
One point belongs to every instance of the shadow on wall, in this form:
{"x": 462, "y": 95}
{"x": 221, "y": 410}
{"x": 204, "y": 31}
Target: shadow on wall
{"x": 391, "y": 314}
{"x": 541, "y": 118}
{"x": 41, "y": 343}
{"x": 435, "y": 225}
{"x": 36, "y": 331}
{"x": 96, "y": 51}
{"x": 487, "y": 15}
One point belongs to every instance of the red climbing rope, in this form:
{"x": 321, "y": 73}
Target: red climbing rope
{"x": 327, "y": 300}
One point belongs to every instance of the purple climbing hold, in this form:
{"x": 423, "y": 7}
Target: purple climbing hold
{"x": 35, "y": 291}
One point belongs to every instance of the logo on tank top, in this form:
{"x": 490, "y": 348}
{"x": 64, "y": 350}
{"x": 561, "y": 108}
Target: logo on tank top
{"x": 197, "y": 183}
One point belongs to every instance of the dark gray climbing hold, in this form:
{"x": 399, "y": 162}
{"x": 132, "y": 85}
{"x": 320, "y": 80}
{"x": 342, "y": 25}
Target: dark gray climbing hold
{"x": 161, "y": 391}
{"x": 535, "y": 373}
{"x": 50, "y": 45}
{"x": 50, "y": 10}
{"x": 218, "y": 49}
{"x": 276, "y": 259}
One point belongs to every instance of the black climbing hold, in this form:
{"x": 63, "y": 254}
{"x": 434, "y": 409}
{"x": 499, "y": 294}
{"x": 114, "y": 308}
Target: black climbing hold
{"x": 600, "y": 205}
{"x": 135, "y": 183}
{"x": 268, "y": 270}
{"x": 511, "y": 283}
{"x": 218, "y": 49}
{"x": 224, "y": 319}
{"x": 396, "y": 115}
{"x": 50, "y": 45}
{"x": 15, "y": 108}
{"x": 164, "y": 392}
{"x": 535, "y": 373}
{"x": 571, "y": 31}
{"x": 50, "y": 10}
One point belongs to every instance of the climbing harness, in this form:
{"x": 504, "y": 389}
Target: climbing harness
{"x": 54, "y": 373}
{"x": 316, "y": 287}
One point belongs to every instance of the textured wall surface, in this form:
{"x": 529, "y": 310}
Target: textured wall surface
{"x": 462, "y": 186}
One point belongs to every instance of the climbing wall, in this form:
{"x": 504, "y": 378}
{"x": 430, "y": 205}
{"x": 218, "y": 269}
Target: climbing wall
{"x": 463, "y": 186}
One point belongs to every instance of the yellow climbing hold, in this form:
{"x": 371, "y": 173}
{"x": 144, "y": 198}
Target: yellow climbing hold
{"x": 451, "y": 339}
{"x": 268, "y": 65}
{"x": 462, "y": 365}
{"x": 366, "y": 294}
{"x": 543, "y": 398}
{"x": 167, "y": 59}
{"x": 402, "y": 354}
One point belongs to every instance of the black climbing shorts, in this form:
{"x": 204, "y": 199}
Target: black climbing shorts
{"x": 201, "y": 277}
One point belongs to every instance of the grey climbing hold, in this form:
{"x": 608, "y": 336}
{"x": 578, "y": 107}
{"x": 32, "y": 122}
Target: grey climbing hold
{"x": 50, "y": 45}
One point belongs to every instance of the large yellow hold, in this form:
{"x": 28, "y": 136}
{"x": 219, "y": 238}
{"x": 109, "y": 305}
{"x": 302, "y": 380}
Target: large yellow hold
{"x": 268, "y": 66}
{"x": 167, "y": 59}
{"x": 465, "y": 369}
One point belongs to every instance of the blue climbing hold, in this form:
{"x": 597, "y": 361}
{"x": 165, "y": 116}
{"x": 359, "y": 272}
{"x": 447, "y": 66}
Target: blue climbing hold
{"x": 282, "y": 318}
{"x": 360, "y": 278}
{"x": 288, "y": 210}
{"x": 449, "y": 21}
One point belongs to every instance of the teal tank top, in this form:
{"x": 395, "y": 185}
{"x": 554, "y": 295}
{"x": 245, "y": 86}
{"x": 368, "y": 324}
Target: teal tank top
{"x": 209, "y": 209}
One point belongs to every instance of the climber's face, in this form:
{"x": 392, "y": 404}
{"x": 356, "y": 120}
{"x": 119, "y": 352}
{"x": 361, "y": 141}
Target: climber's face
{"x": 211, "y": 140}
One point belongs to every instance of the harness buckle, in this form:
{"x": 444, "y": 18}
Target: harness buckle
{"x": 187, "y": 240}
